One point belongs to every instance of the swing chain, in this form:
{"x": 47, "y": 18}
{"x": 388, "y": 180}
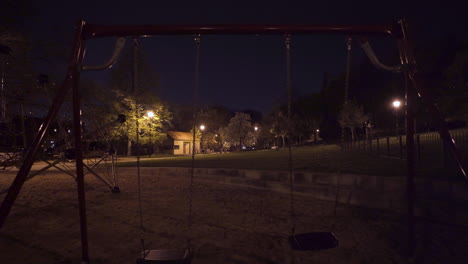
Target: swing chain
{"x": 192, "y": 174}
{"x": 197, "y": 40}
{"x": 349, "y": 42}
{"x": 136, "y": 43}
{"x": 290, "y": 162}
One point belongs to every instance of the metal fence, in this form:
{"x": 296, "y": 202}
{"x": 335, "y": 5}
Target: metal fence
{"x": 429, "y": 146}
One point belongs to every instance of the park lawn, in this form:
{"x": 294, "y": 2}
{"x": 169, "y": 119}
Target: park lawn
{"x": 320, "y": 158}
{"x": 323, "y": 158}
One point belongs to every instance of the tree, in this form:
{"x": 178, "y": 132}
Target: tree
{"x": 122, "y": 74}
{"x": 213, "y": 118}
{"x": 351, "y": 116}
{"x": 148, "y": 128}
{"x": 15, "y": 13}
{"x": 454, "y": 98}
{"x": 240, "y": 131}
{"x": 280, "y": 127}
{"x": 223, "y": 137}
{"x": 307, "y": 116}
{"x": 103, "y": 106}
{"x": 19, "y": 82}
{"x": 129, "y": 100}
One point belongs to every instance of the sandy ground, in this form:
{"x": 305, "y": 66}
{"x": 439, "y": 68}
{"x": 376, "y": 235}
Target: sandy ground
{"x": 230, "y": 225}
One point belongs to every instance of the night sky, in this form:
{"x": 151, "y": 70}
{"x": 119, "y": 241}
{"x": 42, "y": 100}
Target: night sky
{"x": 240, "y": 72}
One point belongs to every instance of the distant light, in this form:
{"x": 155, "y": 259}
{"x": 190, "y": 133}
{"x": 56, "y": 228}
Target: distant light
{"x": 150, "y": 114}
{"x": 256, "y": 128}
{"x": 216, "y": 135}
{"x": 51, "y": 141}
{"x": 317, "y": 130}
{"x": 202, "y": 127}
{"x": 69, "y": 131}
{"x": 55, "y": 130}
{"x": 396, "y": 103}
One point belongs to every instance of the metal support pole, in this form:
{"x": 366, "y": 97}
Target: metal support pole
{"x": 90, "y": 170}
{"x": 77, "y": 129}
{"x": 15, "y": 188}
{"x": 410, "y": 156}
{"x": 2, "y": 84}
{"x": 98, "y": 31}
{"x": 410, "y": 94}
{"x": 150, "y": 141}
{"x": 397, "y": 128}
{"x": 417, "y": 83}
{"x": 34, "y": 174}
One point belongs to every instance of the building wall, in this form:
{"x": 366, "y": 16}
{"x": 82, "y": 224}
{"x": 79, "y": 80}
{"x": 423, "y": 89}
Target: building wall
{"x": 180, "y": 147}
{"x": 184, "y": 147}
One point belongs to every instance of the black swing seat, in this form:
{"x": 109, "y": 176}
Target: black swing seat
{"x": 313, "y": 241}
{"x": 165, "y": 256}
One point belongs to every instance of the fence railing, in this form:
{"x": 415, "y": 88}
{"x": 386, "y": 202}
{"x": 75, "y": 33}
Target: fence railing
{"x": 429, "y": 146}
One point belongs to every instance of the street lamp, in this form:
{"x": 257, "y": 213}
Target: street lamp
{"x": 150, "y": 115}
{"x": 256, "y": 128}
{"x": 202, "y": 127}
{"x": 396, "y": 104}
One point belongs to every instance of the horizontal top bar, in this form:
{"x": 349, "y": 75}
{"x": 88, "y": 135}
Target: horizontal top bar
{"x": 95, "y": 31}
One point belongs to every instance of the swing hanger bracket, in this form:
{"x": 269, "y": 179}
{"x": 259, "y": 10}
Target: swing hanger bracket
{"x": 119, "y": 45}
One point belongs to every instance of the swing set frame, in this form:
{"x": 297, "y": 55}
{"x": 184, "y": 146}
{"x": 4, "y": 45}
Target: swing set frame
{"x": 84, "y": 32}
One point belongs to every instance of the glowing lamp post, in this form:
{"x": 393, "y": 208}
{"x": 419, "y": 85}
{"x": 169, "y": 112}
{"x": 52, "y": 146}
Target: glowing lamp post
{"x": 202, "y": 127}
{"x": 396, "y": 104}
{"x": 150, "y": 115}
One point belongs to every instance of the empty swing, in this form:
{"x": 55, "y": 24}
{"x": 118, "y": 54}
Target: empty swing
{"x": 311, "y": 240}
{"x": 170, "y": 256}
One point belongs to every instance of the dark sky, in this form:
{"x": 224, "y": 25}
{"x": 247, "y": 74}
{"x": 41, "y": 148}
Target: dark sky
{"x": 241, "y": 71}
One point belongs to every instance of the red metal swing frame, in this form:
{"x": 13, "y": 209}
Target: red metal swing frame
{"x": 86, "y": 32}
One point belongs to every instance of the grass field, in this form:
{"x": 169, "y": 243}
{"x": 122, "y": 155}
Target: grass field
{"x": 320, "y": 158}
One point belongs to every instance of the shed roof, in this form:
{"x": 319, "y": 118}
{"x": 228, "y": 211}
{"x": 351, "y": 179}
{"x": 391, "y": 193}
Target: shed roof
{"x": 178, "y": 135}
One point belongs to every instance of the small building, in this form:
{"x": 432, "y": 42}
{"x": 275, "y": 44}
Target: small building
{"x": 182, "y": 142}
